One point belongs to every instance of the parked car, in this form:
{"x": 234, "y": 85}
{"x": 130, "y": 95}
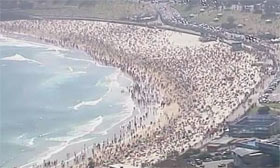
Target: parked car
{"x": 222, "y": 165}
{"x": 268, "y": 91}
{"x": 208, "y": 160}
{"x": 198, "y": 161}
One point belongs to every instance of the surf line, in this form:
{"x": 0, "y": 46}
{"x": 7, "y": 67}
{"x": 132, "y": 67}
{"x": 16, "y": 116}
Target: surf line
{"x": 112, "y": 78}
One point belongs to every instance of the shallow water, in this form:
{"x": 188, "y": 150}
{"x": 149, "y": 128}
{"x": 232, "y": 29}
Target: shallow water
{"x": 53, "y": 98}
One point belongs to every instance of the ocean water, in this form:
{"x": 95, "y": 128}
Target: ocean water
{"x": 52, "y": 99}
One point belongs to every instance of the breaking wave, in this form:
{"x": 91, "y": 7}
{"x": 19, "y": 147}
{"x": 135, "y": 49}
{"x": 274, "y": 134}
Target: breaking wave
{"x": 68, "y": 140}
{"x": 18, "y": 57}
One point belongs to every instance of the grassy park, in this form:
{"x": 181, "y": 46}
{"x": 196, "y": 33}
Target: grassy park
{"x": 251, "y": 22}
{"x": 105, "y": 9}
{"x": 274, "y": 109}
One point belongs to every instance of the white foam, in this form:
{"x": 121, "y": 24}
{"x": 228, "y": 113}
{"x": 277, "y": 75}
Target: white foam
{"x": 59, "y": 139}
{"x": 24, "y": 140}
{"x": 7, "y": 41}
{"x": 127, "y": 112}
{"x": 78, "y": 59}
{"x": 45, "y": 134}
{"x": 128, "y": 109}
{"x": 17, "y": 43}
{"x": 111, "y": 82}
{"x": 18, "y": 57}
{"x": 73, "y": 135}
{"x": 62, "y": 55}
{"x": 51, "y": 47}
{"x": 76, "y": 135}
{"x": 21, "y": 136}
{"x": 31, "y": 141}
{"x": 79, "y": 72}
{"x": 87, "y": 128}
{"x": 79, "y": 131}
{"x": 57, "y": 79}
{"x": 70, "y": 69}
{"x": 87, "y": 103}
{"x": 113, "y": 78}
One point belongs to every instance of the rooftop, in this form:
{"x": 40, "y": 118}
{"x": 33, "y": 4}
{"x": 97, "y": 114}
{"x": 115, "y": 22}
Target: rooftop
{"x": 244, "y": 151}
{"x": 223, "y": 140}
{"x": 249, "y": 142}
{"x": 257, "y": 120}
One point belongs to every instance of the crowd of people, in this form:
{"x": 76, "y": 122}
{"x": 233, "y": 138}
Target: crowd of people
{"x": 184, "y": 93}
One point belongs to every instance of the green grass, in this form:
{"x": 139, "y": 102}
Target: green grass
{"x": 253, "y": 23}
{"x": 273, "y": 105}
{"x": 253, "y": 111}
{"x": 274, "y": 111}
{"x": 107, "y": 9}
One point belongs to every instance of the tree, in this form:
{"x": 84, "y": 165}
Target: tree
{"x": 204, "y": 155}
{"x": 190, "y": 152}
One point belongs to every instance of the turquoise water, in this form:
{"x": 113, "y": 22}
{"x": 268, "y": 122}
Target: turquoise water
{"x": 53, "y": 98}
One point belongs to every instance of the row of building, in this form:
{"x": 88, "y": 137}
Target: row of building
{"x": 254, "y": 141}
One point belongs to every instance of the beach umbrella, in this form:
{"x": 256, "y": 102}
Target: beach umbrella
{"x": 191, "y": 15}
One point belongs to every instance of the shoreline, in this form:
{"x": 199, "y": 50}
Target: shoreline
{"x": 171, "y": 106}
{"x": 116, "y": 127}
{"x": 109, "y": 131}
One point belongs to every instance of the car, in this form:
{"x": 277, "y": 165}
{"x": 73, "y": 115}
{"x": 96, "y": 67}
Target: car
{"x": 272, "y": 87}
{"x": 268, "y": 91}
{"x": 222, "y": 165}
{"x": 224, "y": 157}
{"x": 218, "y": 154}
{"x": 216, "y": 158}
{"x": 265, "y": 96}
{"x": 208, "y": 160}
{"x": 274, "y": 84}
{"x": 226, "y": 153}
{"x": 198, "y": 161}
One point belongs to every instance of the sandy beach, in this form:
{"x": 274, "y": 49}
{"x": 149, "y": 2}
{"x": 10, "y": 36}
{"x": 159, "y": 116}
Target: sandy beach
{"x": 184, "y": 88}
